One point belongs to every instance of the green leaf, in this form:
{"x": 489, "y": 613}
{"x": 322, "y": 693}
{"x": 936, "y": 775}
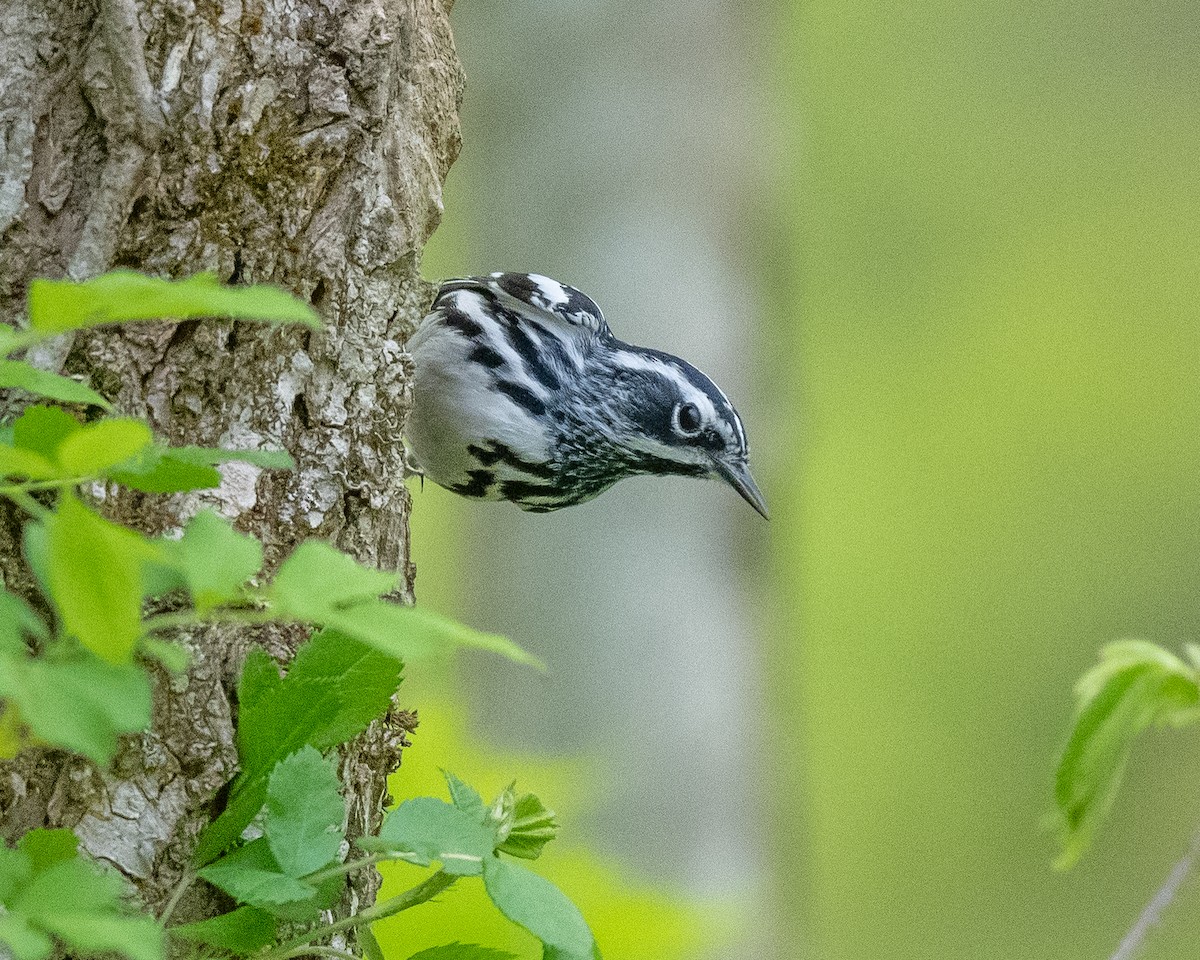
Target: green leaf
{"x": 41, "y": 429}
{"x": 156, "y": 470}
{"x": 541, "y": 908}
{"x": 94, "y": 569}
{"x": 531, "y": 826}
{"x": 305, "y": 813}
{"x": 333, "y": 689}
{"x": 46, "y": 847}
{"x": 435, "y": 830}
{"x": 82, "y": 907}
{"x": 22, "y": 939}
{"x": 36, "y": 548}
{"x": 209, "y": 456}
{"x": 98, "y": 446}
{"x": 17, "y": 373}
{"x": 413, "y": 632}
{"x": 1135, "y": 685}
{"x": 17, "y": 621}
{"x": 316, "y": 580}
{"x": 251, "y": 875}
{"x": 463, "y": 951}
{"x": 368, "y": 944}
{"x": 216, "y": 560}
{"x": 173, "y": 656}
{"x": 122, "y": 296}
{"x": 16, "y": 867}
{"x": 241, "y": 932}
{"x": 464, "y": 796}
{"x": 15, "y": 462}
{"x": 82, "y": 704}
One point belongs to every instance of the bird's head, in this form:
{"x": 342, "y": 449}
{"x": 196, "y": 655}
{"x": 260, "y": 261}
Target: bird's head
{"x": 682, "y": 422}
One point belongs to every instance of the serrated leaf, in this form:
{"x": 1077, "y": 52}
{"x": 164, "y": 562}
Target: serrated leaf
{"x": 24, "y": 376}
{"x": 1135, "y": 685}
{"x": 435, "y": 830}
{"x": 334, "y": 688}
{"x": 305, "y": 813}
{"x": 317, "y": 579}
{"x": 82, "y": 907}
{"x": 531, "y": 826}
{"x": 464, "y": 796}
{"x": 41, "y": 429}
{"x": 241, "y": 932}
{"x": 17, "y": 621}
{"x": 541, "y": 908}
{"x": 123, "y": 296}
{"x": 251, "y": 875}
{"x": 95, "y": 448}
{"x": 463, "y": 951}
{"x": 215, "y": 560}
{"x": 82, "y": 704}
{"x": 94, "y": 569}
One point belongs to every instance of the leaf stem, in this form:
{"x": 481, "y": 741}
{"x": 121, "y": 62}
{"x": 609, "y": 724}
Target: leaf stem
{"x": 426, "y": 890}
{"x": 176, "y": 895}
{"x": 338, "y": 869}
{"x": 191, "y": 618}
{"x": 23, "y": 500}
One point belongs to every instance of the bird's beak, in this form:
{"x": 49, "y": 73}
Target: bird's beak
{"x": 737, "y": 475}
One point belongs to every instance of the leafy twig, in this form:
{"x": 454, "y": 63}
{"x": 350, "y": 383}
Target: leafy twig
{"x": 427, "y": 890}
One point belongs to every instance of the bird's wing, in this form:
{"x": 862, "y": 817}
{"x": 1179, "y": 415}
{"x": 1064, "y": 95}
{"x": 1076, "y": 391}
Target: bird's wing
{"x": 548, "y": 300}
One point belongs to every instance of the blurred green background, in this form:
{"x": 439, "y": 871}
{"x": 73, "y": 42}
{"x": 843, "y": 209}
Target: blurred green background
{"x": 944, "y": 257}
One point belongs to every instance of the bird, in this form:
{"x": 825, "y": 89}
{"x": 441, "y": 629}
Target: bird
{"x": 522, "y": 393}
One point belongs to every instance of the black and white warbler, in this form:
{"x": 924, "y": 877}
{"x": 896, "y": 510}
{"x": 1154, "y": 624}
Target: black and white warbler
{"x": 522, "y": 393}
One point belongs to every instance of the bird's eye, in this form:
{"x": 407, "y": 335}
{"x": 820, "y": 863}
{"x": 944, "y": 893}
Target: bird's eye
{"x": 687, "y": 419}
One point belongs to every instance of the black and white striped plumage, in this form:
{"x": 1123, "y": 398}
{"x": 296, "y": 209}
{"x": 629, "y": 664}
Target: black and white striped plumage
{"x": 524, "y": 394}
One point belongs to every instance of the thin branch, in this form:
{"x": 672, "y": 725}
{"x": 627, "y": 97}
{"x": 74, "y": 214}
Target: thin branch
{"x": 23, "y": 500}
{"x": 427, "y": 890}
{"x": 176, "y": 895}
{"x": 1159, "y": 902}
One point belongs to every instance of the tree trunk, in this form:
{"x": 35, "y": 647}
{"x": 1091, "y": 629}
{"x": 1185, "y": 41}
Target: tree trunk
{"x": 299, "y": 142}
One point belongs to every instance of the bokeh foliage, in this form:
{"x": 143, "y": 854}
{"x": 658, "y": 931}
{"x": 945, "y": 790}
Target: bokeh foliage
{"x": 988, "y": 304}
{"x": 631, "y": 921}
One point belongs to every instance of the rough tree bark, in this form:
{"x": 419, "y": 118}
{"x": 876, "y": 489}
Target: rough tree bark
{"x": 299, "y": 142}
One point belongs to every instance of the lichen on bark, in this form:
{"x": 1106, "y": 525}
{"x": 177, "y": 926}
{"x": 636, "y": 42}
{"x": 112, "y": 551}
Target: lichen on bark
{"x": 297, "y": 142}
